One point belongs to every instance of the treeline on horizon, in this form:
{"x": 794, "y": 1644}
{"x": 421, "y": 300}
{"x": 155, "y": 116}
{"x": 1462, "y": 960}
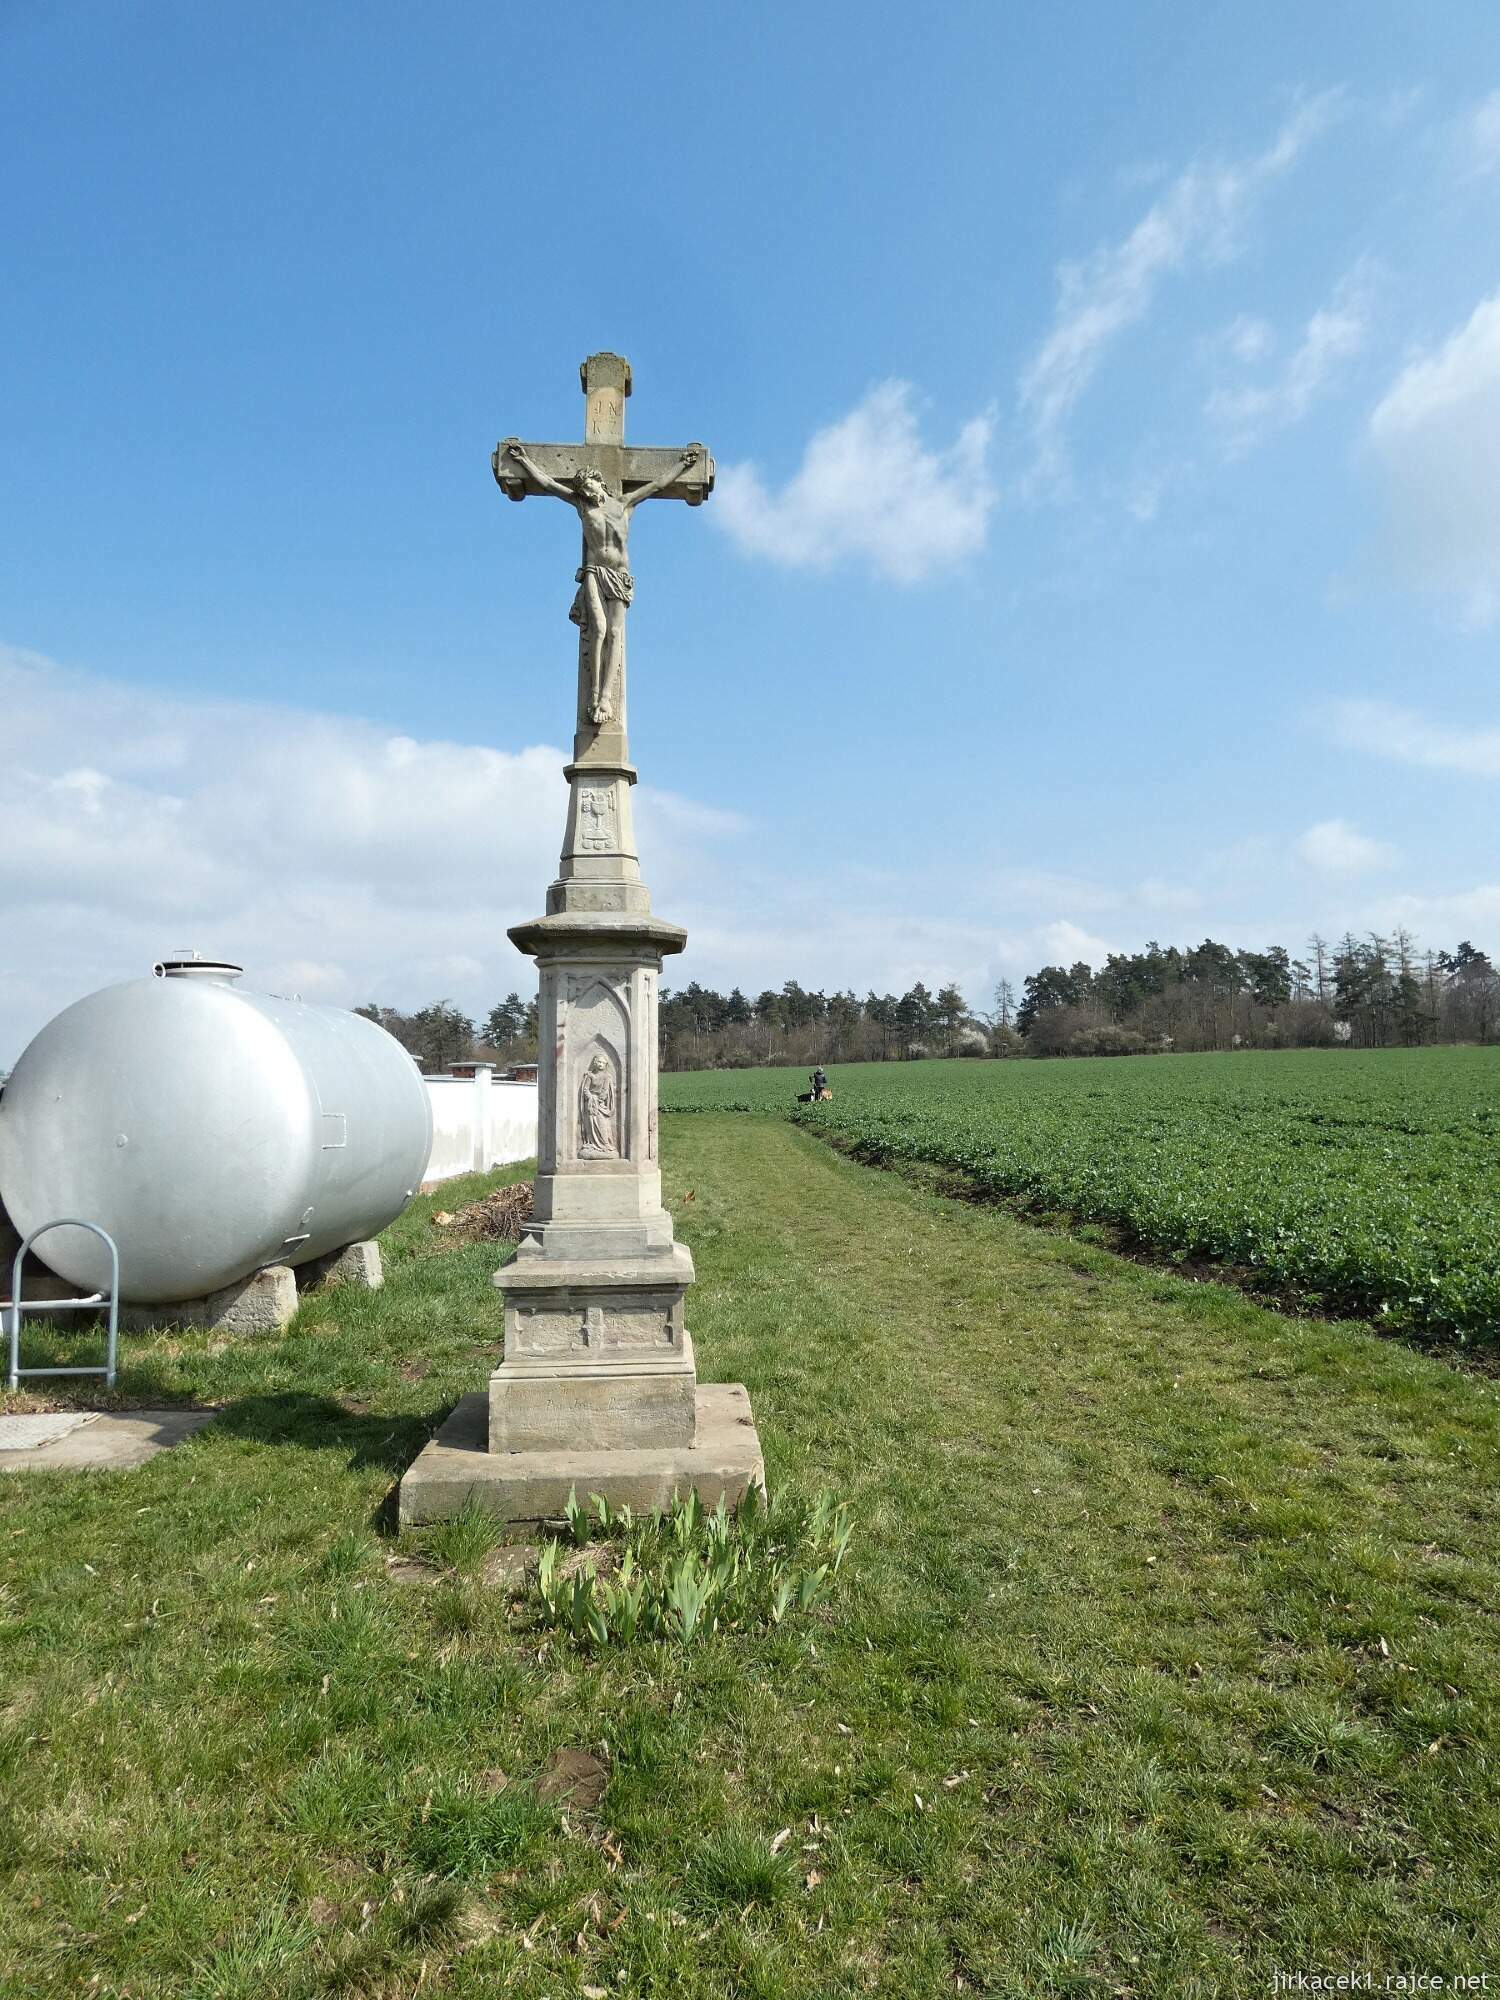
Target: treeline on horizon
{"x": 1370, "y": 992}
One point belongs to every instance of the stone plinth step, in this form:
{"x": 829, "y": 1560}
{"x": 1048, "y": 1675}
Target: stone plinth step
{"x": 533, "y": 1486}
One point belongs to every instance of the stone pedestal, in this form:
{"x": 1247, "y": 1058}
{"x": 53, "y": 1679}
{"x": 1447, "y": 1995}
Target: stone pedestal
{"x": 597, "y": 1389}
{"x": 597, "y": 1385}
{"x": 594, "y": 1348}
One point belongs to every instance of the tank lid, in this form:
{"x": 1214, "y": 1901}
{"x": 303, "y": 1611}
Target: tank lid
{"x": 189, "y": 965}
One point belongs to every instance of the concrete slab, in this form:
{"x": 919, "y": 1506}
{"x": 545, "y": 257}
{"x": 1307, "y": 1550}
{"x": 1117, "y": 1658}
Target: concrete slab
{"x": 109, "y": 1441}
{"x": 533, "y": 1486}
{"x": 28, "y": 1430}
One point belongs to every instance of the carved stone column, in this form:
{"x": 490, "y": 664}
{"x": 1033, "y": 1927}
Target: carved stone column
{"x": 595, "y": 1344}
{"x": 597, "y": 1384}
{"x": 597, "y": 1390}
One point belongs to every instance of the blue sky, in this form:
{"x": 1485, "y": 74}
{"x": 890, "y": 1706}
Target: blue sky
{"x": 1107, "y": 544}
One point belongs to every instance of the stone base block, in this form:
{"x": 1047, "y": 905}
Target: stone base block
{"x": 611, "y": 1405}
{"x": 356, "y": 1264}
{"x": 533, "y": 1486}
{"x": 263, "y": 1303}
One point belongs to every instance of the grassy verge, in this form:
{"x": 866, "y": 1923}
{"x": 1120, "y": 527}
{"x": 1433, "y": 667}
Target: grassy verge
{"x": 1165, "y": 1656}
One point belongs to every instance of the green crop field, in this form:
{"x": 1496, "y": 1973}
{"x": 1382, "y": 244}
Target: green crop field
{"x": 1356, "y": 1182}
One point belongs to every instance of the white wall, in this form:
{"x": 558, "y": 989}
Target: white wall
{"x": 478, "y": 1123}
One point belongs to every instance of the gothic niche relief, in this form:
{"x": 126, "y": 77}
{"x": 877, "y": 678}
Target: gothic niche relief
{"x": 597, "y": 1035}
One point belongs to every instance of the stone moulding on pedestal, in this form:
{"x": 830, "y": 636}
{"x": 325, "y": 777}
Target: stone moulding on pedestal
{"x": 597, "y": 1386}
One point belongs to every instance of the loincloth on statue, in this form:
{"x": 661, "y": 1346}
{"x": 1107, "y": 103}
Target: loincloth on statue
{"x": 616, "y": 583}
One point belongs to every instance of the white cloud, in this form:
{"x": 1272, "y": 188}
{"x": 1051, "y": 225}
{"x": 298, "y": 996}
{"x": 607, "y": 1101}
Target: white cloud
{"x": 1170, "y": 898}
{"x": 1249, "y": 339}
{"x": 331, "y": 857}
{"x": 1402, "y": 734}
{"x": 1335, "y": 334}
{"x": 868, "y": 488}
{"x": 1472, "y": 913}
{"x": 346, "y": 862}
{"x": 1145, "y": 490}
{"x": 1334, "y": 847}
{"x": 1068, "y": 942}
{"x": 1482, "y": 136}
{"x": 1436, "y": 437}
{"x": 1195, "y": 219}
{"x": 1397, "y": 107}
{"x": 834, "y": 939}
{"x": 688, "y": 817}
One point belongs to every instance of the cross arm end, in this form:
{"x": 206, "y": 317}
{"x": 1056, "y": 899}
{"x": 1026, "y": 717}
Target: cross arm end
{"x": 508, "y": 474}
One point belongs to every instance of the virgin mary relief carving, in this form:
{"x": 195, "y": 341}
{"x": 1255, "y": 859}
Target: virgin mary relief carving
{"x": 598, "y": 1041}
{"x": 596, "y": 1112}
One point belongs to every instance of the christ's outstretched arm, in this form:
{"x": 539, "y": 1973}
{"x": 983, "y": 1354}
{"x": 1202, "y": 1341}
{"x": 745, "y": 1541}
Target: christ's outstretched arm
{"x": 533, "y": 471}
{"x": 688, "y": 458}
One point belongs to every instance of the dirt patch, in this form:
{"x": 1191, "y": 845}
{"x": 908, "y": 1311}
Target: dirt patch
{"x": 505, "y": 1568}
{"x": 576, "y": 1776}
{"x": 405, "y": 1569}
{"x": 593, "y": 1559}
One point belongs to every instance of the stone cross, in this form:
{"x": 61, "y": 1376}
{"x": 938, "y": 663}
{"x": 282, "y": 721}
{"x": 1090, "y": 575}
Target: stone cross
{"x": 605, "y": 480}
{"x": 598, "y": 1391}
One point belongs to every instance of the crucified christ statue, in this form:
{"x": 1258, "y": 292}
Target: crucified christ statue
{"x": 603, "y": 480}
{"x": 605, "y": 585}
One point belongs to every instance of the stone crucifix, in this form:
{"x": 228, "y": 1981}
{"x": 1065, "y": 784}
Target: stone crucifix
{"x": 604, "y": 480}
{"x": 598, "y": 1390}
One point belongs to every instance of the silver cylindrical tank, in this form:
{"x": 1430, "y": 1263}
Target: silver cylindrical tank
{"x": 210, "y": 1130}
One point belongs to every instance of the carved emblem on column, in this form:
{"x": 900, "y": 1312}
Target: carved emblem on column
{"x": 597, "y": 833}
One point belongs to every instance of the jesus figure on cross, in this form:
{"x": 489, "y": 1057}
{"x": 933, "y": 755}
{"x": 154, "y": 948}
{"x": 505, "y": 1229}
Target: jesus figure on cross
{"x": 605, "y": 585}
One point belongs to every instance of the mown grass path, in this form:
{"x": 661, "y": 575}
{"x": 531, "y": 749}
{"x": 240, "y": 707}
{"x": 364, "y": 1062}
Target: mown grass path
{"x": 1362, "y": 1183}
{"x": 1167, "y": 1656}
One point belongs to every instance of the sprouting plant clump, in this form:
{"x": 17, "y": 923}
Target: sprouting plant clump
{"x": 687, "y": 1573}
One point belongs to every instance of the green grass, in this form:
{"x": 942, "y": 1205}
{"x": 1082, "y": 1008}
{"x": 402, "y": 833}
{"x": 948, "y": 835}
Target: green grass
{"x": 1360, "y": 1182}
{"x": 1165, "y": 1656}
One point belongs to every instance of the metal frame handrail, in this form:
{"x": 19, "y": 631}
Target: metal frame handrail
{"x": 16, "y": 1303}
